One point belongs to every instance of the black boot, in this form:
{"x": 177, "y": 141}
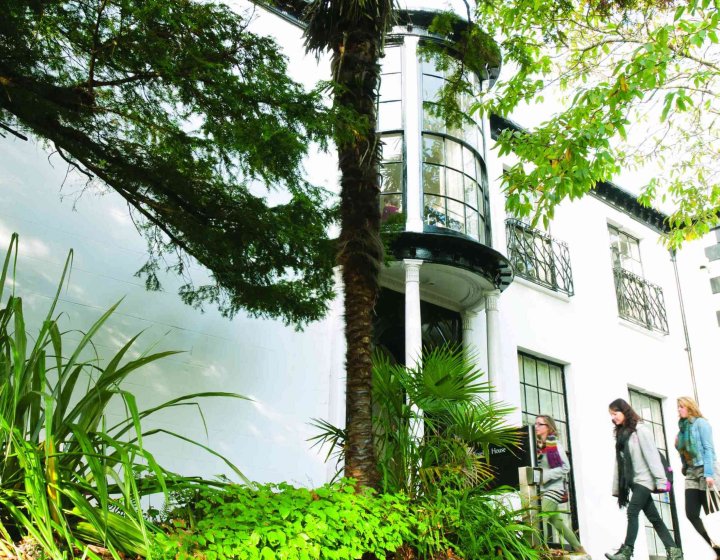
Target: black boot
{"x": 674, "y": 553}
{"x": 625, "y": 552}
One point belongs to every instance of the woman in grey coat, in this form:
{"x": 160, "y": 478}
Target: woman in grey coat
{"x": 638, "y": 473}
{"x": 555, "y": 467}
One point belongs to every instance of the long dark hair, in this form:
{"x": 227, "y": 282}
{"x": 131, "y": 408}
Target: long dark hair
{"x": 631, "y": 417}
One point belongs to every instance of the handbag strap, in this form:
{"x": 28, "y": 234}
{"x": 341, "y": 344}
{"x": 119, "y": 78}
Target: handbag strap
{"x": 713, "y": 499}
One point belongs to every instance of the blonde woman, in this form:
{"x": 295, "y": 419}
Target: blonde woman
{"x": 553, "y": 461}
{"x": 694, "y": 442}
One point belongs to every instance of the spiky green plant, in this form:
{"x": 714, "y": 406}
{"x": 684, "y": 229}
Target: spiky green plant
{"x": 430, "y": 421}
{"x": 433, "y": 424}
{"x": 67, "y": 477}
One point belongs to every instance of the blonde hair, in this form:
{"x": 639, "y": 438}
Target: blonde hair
{"x": 691, "y": 405}
{"x": 552, "y": 426}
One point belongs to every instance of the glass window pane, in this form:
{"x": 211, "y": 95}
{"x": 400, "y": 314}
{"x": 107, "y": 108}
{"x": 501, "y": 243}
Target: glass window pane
{"x": 435, "y": 211}
{"x": 471, "y": 224}
{"x": 433, "y": 179}
{"x": 543, "y": 374}
{"x": 433, "y": 149}
{"x": 532, "y": 404}
{"x": 530, "y": 376}
{"x": 656, "y": 412}
{"x": 392, "y": 147}
{"x": 546, "y": 402}
{"x": 453, "y": 155}
{"x": 469, "y": 163}
{"x": 390, "y": 87}
{"x": 455, "y": 184}
{"x": 472, "y": 193}
{"x": 659, "y": 436}
{"x": 556, "y": 379}
{"x": 431, "y": 122}
{"x": 428, "y": 66}
{"x": 456, "y": 216}
{"x": 391, "y": 177}
{"x": 520, "y": 367}
{"x": 392, "y": 61}
{"x": 431, "y": 87}
{"x": 390, "y": 205}
{"x": 559, "y": 406}
{"x": 472, "y": 136}
{"x": 390, "y": 116}
{"x": 482, "y": 231}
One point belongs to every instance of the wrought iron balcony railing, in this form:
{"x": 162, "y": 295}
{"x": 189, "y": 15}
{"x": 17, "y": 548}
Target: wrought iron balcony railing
{"x": 640, "y": 301}
{"x": 539, "y": 257}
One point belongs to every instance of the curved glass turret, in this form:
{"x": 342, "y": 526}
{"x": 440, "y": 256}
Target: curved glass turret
{"x": 432, "y": 175}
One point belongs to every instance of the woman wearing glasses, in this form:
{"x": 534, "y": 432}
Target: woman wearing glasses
{"x": 553, "y": 461}
{"x": 638, "y": 473}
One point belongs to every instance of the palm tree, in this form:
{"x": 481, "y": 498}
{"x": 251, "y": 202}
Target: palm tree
{"x": 430, "y": 423}
{"x": 354, "y": 32}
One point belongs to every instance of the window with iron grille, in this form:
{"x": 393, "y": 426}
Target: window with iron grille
{"x": 538, "y": 257}
{"x": 650, "y": 410}
{"x": 639, "y": 301}
{"x": 542, "y": 392}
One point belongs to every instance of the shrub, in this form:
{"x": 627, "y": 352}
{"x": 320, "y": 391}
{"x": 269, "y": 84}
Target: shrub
{"x": 473, "y": 522}
{"x": 280, "y": 521}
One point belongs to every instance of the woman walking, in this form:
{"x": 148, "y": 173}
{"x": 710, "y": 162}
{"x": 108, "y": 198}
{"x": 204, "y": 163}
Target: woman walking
{"x": 555, "y": 467}
{"x": 638, "y": 473}
{"x": 697, "y": 453}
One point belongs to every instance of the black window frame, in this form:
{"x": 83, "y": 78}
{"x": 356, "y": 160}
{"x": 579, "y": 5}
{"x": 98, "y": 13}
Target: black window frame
{"x": 528, "y": 418}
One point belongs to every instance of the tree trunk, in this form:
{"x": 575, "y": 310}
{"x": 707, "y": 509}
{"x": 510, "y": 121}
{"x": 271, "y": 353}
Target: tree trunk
{"x": 356, "y": 71}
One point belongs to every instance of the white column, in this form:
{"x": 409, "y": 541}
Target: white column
{"x": 492, "y": 315}
{"x": 469, "y": 317}
{"x": 413, "y": 329}
{"x": 412, "y": 107}
{"x": 413, "y": 321}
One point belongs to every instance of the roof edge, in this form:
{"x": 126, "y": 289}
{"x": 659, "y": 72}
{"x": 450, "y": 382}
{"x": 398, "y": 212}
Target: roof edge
{"x": 610, "y": 193}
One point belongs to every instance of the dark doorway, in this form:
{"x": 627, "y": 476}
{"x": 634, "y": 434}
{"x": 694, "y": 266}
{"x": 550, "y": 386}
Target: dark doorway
{"x": 440, "y": 326}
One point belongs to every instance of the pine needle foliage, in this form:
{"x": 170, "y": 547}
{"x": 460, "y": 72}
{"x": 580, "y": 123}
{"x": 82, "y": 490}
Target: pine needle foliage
{"x": 188, "y": 116}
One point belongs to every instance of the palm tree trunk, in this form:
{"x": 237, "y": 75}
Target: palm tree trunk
{"x": 356, "y": 70}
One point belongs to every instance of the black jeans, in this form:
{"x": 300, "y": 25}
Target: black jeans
{"x": 641, "y": 500}
{"x": 694, "y": 499}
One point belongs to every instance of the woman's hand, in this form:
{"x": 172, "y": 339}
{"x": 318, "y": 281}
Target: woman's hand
{"x": 710, "y": 481}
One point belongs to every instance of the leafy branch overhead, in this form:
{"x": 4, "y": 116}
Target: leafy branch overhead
{"x": 187, "y": 115}
{"x": 639, "y": 84}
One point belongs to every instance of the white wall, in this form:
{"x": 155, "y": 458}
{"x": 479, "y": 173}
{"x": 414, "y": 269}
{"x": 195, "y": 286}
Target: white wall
{"x": 288, "y": 374}
{"x": 603, "y": 355}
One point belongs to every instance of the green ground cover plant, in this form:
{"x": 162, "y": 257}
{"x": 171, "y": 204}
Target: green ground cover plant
{"x": 279, "y": 521}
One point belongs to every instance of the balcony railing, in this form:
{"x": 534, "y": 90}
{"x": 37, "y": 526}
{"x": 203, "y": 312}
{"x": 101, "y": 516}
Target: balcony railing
{"x": 539, "y": 257}
{"x": 640, "y": 301}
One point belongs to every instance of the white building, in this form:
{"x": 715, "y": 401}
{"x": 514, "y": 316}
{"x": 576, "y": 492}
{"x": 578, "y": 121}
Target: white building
{"x": 593, "y": 311}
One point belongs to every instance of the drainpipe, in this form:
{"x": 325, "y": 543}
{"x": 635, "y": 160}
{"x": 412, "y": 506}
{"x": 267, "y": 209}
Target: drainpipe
{"x": 673, "y": 258}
